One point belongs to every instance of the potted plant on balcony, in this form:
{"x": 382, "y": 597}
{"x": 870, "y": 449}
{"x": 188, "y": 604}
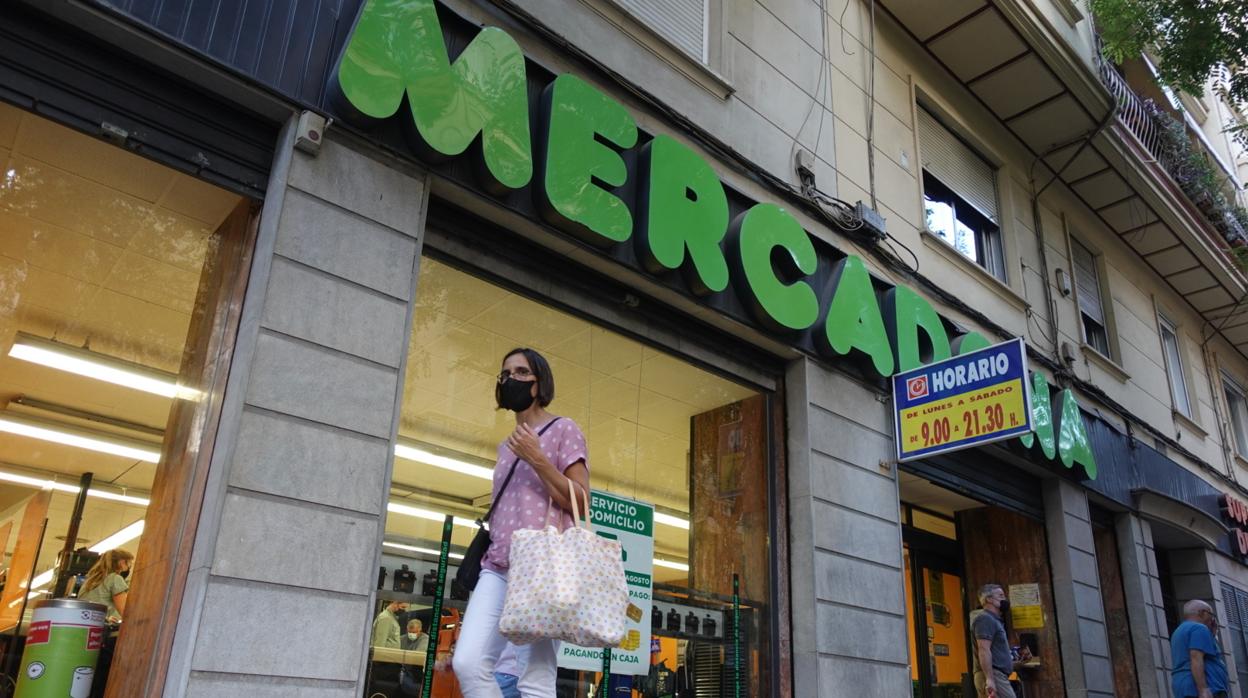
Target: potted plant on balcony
{"x": 1194, "y": 174}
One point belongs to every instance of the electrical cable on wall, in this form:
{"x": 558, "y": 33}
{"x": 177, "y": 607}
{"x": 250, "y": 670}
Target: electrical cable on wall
{"x": 739, "y": 163}
{"x": 821, "y": 86}
{"x": 871, "y": 113}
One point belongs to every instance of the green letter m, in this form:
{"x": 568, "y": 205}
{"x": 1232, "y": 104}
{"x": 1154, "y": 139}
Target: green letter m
{"x": 397, "y": 47}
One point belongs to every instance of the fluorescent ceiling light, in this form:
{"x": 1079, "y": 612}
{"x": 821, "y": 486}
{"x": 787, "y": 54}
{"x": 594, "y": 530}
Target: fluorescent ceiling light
{"x": 420, "y": 455}
{"x": 84, "y": 362}
{"x": 29, "y": 596}
{"x": 671, "y": 565}
{"x": 41, "y": 484}
{"x": 119, "y": 538}
{"x": 79, "y": 437}
{"x": 41, "y": 579}
{"x": 415, "y": 549}
{"x": 669, "y": 520}
{"x": 396, "y": 508}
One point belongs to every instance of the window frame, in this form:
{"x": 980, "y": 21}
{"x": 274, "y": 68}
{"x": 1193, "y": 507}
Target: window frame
{"x": 1239, "y": 425}
{"x": 988, "y": 245}
{"x": 1166, "y": 325}
{"x": 989, "y": 234}
{"x": 711, "y": 44}
{"x": 493, "y": 253}
{"x": 1107, "y": 326}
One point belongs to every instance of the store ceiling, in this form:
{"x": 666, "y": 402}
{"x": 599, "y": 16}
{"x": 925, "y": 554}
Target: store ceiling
{"x": 633, "y": 402}
{"x": 921, "y": 493}
{"x": 103, "y": 249}
{"x": 100, "y": 248}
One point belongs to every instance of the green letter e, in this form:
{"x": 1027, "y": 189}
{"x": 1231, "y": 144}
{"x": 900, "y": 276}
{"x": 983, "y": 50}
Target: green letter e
{"x": 397, "y": 48}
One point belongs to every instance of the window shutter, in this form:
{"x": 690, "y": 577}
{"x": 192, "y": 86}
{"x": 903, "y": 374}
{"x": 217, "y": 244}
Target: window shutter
{"x": 1241, "y": 600}
{"x": 1232, "y": 607}
{"x": 957, "y": 166}
{"x": 1087, "y": 282}
{"x": 682, "y": 22}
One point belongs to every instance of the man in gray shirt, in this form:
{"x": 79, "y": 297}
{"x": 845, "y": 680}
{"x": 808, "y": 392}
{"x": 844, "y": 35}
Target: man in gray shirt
{"x": 993, "y": 662}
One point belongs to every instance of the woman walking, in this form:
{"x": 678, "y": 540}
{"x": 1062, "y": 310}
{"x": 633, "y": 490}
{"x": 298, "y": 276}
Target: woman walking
{"x": 546, "y": 452}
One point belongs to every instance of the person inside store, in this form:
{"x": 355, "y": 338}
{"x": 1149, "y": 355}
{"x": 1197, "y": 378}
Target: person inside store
{"x": 415, "y": 639}
{"x": 545, "y": 452}
{"x": 992, "y": 647}
{"x": 1199, "y": 671}
{"x": 386, "y": 627}
{"x": 508, "y": 670}
{"x": 107, "y": 584}
{"x": 387, "y": 633}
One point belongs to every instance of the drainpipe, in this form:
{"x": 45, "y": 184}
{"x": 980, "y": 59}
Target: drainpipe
{"x": 1212, "y": 372}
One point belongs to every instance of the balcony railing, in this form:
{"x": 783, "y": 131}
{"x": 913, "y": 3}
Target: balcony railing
{"x": 1165, "y": 139}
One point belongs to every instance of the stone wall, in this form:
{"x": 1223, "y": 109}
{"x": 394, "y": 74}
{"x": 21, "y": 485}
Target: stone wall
{"x": 849, "y": 616}
{"x": 306, "y": 436}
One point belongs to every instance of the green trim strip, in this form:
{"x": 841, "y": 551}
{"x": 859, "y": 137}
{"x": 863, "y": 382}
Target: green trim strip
{"x": 435, "y": 621}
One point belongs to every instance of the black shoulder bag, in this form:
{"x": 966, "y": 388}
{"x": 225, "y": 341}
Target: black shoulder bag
{"x": 470, "y": 567}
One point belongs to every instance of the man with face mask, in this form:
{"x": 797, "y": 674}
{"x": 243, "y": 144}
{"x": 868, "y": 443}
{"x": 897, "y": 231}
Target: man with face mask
{"x": 993, "y": 662}
{"x": 386, "y": 625}
{"x": 415, "y": 639}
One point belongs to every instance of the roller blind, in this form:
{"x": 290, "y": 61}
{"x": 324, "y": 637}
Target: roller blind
{"x": 682, "y": 22}
{"x": 1087, "y": 282}
{"x": 956, "y": 166}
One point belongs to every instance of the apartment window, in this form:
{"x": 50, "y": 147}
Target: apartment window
{"x": 1091, "y": 301}
{"x": 1237, "y": 404}
{"x": 682, "y": 22}
{"x": 960, "y": 196}
{"x": 1174, "y": 366}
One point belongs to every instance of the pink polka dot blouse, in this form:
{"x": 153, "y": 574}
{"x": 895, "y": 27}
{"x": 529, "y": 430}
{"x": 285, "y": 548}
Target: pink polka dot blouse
{"x": 524, "y": 504}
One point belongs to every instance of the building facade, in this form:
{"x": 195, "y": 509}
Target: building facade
{"x": 263, "y": 262}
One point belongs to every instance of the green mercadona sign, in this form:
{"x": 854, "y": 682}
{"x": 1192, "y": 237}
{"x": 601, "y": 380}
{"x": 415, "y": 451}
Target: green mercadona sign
{"x": 396, "y": 65}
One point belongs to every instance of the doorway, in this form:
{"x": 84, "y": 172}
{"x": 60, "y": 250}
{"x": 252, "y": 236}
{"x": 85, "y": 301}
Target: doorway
{"x": 936, "y": 601}
{"x": 954, "y": 546}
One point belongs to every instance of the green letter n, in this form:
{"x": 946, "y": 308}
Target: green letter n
{"x": 397, "y": 47}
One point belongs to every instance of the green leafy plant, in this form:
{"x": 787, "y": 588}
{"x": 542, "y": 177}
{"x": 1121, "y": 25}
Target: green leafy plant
{"x": 1197, "y": 177}
{"x": 1190, "y": 38}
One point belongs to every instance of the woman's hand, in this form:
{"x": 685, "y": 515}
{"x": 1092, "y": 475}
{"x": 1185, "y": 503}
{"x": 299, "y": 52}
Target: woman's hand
{"x": 524, "y": 443}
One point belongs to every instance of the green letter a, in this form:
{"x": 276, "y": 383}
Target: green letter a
{"x": 397, "y": 47}
{"x": 853, "y": 320}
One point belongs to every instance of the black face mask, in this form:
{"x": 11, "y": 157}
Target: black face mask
{"x": 515, "y": 395}
{"x": 123, "y": 575}
{"x": 1005, "y": 608}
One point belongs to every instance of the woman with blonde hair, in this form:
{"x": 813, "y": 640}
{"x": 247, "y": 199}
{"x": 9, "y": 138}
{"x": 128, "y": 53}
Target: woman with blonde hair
{"x": 106, "y": 582}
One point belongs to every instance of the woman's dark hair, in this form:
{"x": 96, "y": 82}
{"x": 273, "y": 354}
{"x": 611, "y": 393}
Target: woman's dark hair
{"x": 540, "y": 368}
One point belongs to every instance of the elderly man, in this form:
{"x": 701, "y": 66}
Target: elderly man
{"x": 993, "y": 661}
{"x": 1199, "y": 670}
{"x": 415, "y": 639}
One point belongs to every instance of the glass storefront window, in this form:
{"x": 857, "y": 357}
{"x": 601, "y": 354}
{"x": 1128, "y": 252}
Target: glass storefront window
{"x": 659, "y": 430}
{"x": 103, "y": 261}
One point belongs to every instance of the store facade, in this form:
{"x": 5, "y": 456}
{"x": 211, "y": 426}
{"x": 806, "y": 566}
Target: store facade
{"x": 353, "y": 296}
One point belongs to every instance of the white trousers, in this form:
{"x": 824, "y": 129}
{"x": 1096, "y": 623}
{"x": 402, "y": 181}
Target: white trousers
{"x": 479, "y": 645}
